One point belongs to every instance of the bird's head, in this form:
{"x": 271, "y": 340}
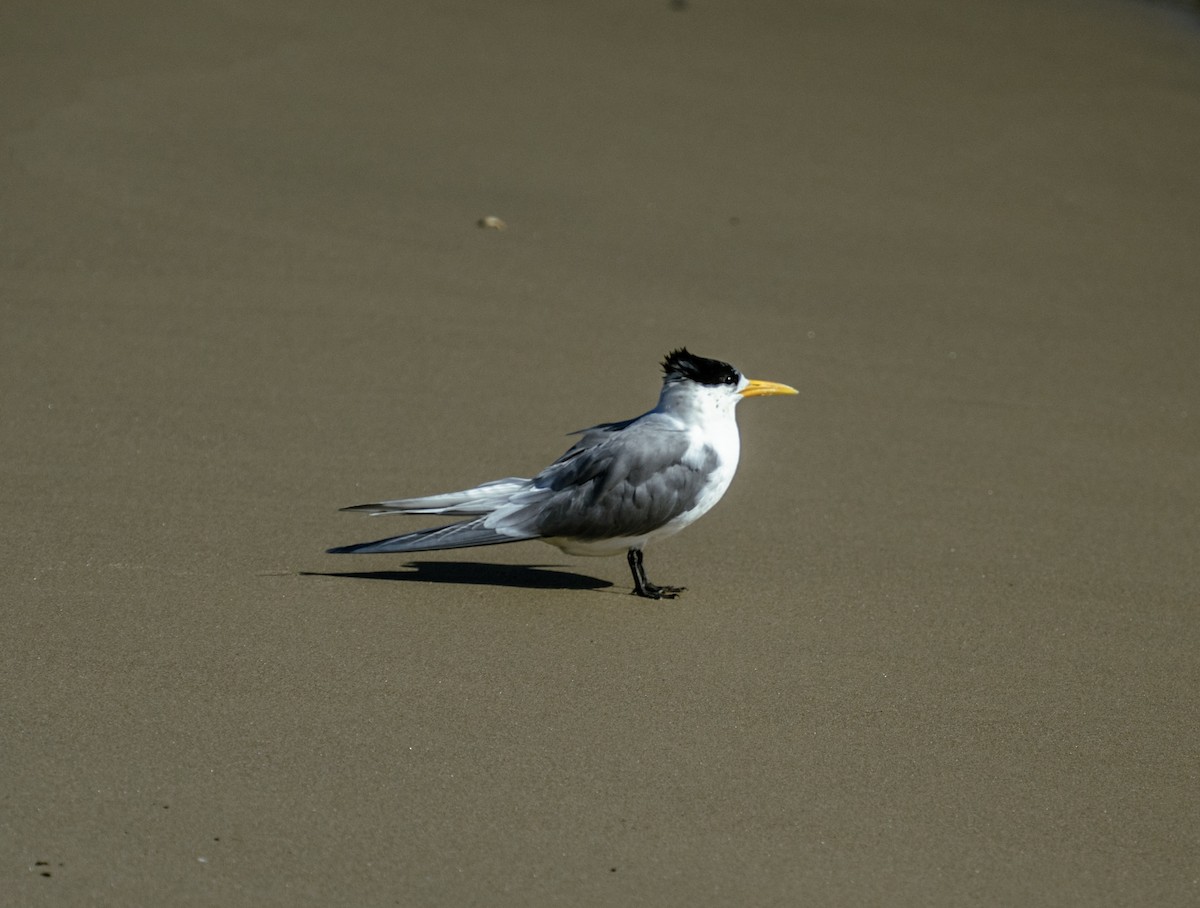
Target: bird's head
{"x": 683, "y": 367}
{"x": 711, "y": 382}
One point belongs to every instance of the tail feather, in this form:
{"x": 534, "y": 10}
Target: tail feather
{"x": 455, "y": 536}
{"x": 468, "y": 503}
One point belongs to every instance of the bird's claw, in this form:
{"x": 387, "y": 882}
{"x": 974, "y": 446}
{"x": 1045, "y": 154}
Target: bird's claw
{"x": 651, "y": 591}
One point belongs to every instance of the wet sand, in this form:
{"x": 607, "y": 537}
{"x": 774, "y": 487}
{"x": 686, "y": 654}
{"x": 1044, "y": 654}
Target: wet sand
{"x": 940, "y": 641}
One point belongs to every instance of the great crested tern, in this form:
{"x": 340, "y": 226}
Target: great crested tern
{"x": 621, "y": 486}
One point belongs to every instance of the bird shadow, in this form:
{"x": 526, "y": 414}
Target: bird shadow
{"x": 520, "y": 576}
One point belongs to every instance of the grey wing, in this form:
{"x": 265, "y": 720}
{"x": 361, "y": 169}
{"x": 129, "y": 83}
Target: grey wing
{"x": 461, "y": 535}
{"x": 594, "y": 435}
{"x": 482, "y": 499}
{"x": 626, "y": 483}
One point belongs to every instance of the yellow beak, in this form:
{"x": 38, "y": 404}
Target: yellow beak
{"x": 764, "y": 388}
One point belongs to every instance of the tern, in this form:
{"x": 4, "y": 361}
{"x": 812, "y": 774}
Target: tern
{"x": 621, "y": 486}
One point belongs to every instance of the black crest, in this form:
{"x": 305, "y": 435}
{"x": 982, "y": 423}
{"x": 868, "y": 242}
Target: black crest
{"x": 680, "y": 364}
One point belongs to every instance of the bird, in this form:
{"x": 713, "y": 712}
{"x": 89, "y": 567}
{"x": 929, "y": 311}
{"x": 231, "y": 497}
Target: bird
{"x": 621, "y": 486}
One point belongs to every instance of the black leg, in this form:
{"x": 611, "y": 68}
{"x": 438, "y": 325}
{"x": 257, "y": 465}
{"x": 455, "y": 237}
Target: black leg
{"x": 643, "y": 587}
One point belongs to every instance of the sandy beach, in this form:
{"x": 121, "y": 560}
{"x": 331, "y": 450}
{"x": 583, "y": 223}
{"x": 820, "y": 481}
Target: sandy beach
{"x": 941, "y": 639}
